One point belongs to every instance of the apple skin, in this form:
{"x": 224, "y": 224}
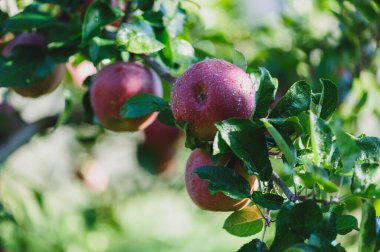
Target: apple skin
{"x": 210, "y": 91}
{"x": 80, "y": 72}
{"x": 161, "y": 143}
{"x": 198, "y": 188}
{"x": 114, "y": 85}
{"x": 39, "y": 86}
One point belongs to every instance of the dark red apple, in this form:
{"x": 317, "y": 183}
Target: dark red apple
{"x": 160, "y": 146}
{"x": 211, "y": 91}
{"x": 112, "y": 87}
{"x": 38, "y": 86}
{"x": 198, "y": 188}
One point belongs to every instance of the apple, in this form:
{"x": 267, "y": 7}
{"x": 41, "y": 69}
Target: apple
{"x": 94, "y": 176}
{"x": 210, "y": 91}
{"x": 38, "y": 86}
{"x": 160, "y": 145}
{"x": 198, "y": 188}
{"x": 112, "y": 87}
{"x": 80, "y": 72}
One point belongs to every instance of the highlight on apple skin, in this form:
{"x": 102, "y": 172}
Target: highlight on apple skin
{"x": 114, "y": 85}
{"x": 210, "y": 91}
{"x": 197, "y": 188}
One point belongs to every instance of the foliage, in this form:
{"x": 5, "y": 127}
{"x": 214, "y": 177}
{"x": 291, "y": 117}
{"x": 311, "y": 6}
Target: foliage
{"x": 294, "y": 130}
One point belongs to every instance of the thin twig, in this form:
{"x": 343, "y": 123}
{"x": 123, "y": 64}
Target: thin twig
{"x": 24, "y": 134}
{"x": 289, "y": 194}
{"x": 161, "y": 70}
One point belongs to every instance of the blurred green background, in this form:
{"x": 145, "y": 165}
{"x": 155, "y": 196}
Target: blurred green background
{"x": 48, "y": 205}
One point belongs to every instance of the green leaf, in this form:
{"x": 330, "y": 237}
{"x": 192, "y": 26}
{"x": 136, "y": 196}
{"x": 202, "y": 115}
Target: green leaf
{"x": 26, "y": 64}
{"x": 225, "y": 180}
{"x": 65, "y": 115}
{"x": 290, "y": 126}
{"x": 295, "y": 101}
{"x": 315, "y": 174}
{"x": 369, "y": 149}
{"x": 366, "y": 180}
{"x": 248, "y": 142}
{"x": 154, "y": 18}
{"x": 283, "y": 230}
{"x": 268, "y": 200}
{"x": 348, "y": 149}
{"x": 239, "y": 59}
{"x": 329, "y": 99}
{"x": 137, "y": 38}
{"x": 219, "y": 145}
{"x": 367, "y": 239}
{"x": 145, "y": 4}
{"x": 305, "y": 218}
{"x": 245, "y": 222}
{"x": 302, "y": 248}
{"x": 28, "y": 20}
{"x": 98, "y": 15}
{"x": 321, "y": 177}
{"x": 191, "y": 141}
{"x": 100, "y": 49}
{"x": 255, "y": 245}
{"x": 345, "y": 224}
{"x": 142, "y": 105}
{"x": 321, "y": 140}
{"x": 166, "y": 53}
{"x": 166, "y": 117}
{"x": 3, "y": 17}
{"x": 282, "y": 143}
{"x": 265, "y": 95}
{"x": 5, "y": 215}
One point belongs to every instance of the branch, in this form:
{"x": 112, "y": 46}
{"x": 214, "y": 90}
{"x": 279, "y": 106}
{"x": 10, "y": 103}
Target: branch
{"x": 289, "y": 194}
{"x": 161, "y": 70}
{"x": 24, "y": 134}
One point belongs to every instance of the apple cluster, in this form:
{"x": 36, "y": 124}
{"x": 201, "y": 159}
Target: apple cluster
{"x": 210, "y": 91}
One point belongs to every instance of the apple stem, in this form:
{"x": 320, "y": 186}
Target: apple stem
{"x": 161, "y": 70}
{"x": 289, "y": 194}
{"x": 24, "y": 134}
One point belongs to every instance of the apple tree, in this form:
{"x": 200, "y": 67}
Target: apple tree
{"x": 277, "y": 155}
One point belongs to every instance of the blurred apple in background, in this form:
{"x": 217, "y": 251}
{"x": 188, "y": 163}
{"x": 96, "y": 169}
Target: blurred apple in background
{"x": 156, "y": 154}
{"x": 80, "y": 72}
{"x": 94, "y": 176}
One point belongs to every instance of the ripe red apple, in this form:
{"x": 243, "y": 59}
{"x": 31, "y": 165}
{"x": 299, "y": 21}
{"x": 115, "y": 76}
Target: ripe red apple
{"x": 198, "y": 188}
{"x": 161, "y": 143}
{"x": 80, "y": 72}
{"x": 210, "y": 91}
{"x": 38, "y": 86}
{"x": 112, "y": 87}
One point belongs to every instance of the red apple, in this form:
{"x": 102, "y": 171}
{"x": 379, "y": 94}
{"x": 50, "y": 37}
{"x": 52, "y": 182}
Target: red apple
{"x": 161, "y": 143}
{"x": 80, "y": 72}
{"x": 210, "y": 91}
{"x": 112, "y": 87}
{"x": 94, "y": 176}
{"x": 198, "y": 188}
{"x": 38, "y": 86}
